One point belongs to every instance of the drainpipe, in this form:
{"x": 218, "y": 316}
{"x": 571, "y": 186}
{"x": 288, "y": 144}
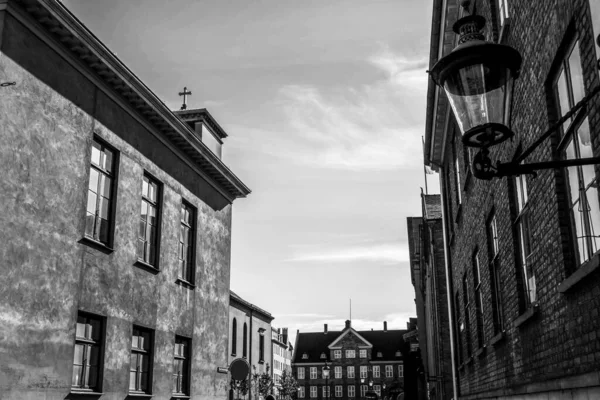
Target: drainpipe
{"x": 250, "y": 358}
{"x": 455, "y": 383}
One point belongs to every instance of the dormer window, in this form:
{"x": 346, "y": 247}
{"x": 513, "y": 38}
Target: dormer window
{"x": 323, "y": 356}
{"x": 398, "y": 353}
{"x": 305, "y": 356}
{"x": 379, "y": 354}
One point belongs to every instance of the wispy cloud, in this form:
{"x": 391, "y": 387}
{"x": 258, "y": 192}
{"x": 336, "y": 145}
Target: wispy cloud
{"x": 388, "y": 253}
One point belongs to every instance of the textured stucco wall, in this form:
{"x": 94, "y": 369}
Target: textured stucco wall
{"x": 47, "y": 122}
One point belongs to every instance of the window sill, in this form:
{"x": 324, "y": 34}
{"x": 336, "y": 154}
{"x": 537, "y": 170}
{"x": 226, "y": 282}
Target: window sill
{"x": 480, "y": 352}
{"x": 144, "y": 265}
{"x": 144, "y": 395}
{"x": 82, "y": 393}
{"x": 188, "y": 285}
{"x": 499, "y": 338}
{"x": 180, "y": 396}
{"x": 526, "y": 316}
{"x": 582, "y": 272}
{"x": 96, "y": 245}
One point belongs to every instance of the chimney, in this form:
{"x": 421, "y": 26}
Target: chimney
{"x": 385, "y": 326}
{"x": 285, "y": 335}
{"x": 325, "y": 329}
{"x": 348, "y": 324}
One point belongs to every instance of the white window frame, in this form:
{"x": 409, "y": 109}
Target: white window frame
{"x": 337, "y": 370}
{"x": 313, "y": 372}
{"x": 363, "y": 390}
{"x": 337, "y": 354}
{"x": 503, "y": 11}
{"x": 363, "y": 371}
{"x": 362, "y": 353}
{"x": 313, "y": 392}
{"x": 326, "y": 392}
{"x": 350, "y": 353}
{"x": 350, "y": 371}
{"x": 401, "y": 371}
{"x": 389, "y": 371}
{"x": 338, "y": 390}
{"x": 301, "y": 392}
{"x": 377, "y": 389}
{"x": 376, "y": 371}
{"x": 300, "y": 373}
{"x": 351, "y": 391}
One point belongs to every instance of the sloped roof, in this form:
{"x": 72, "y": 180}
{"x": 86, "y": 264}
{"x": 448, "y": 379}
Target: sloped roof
{"x": 315, "y": 343}
{"x": 234, "y": 298}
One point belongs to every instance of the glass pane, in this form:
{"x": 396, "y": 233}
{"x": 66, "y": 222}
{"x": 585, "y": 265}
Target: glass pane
{"x": 152, "y": 191}
{"x": 134, "y": 339}
{"x": 186, "y": 234}
{"x": 108, "y": 160}
{"x": 145, "y": 341}
{"x": 144, "y": 384}
{"x": 132, "y": 378}
{"x": 579, "y": 232}
{"x": 144, "y": 362}
{"x": 96, "y": 153}
{"x": 576, "y": 74}
{"x": 103, "y": 207}
{"x": 103, "y": 229}
{"x": 152, "y": 214}
{"x": 92, "y": 377}
{"x": 573, "y": 179}
{"x": 141, "y": 248}
{"x": 105, "y": 186}
{"x": 91, "y": 203}
{"x": 93, "y": 355}
{"x": 89, "y": 224}
{"x": 76, "y": 375}
{"x": 133, "y": 361}
{"x": 563, "y": 93}
{"x": 145, "y": 187}
{"x": 80, "y": 327}
{"x": 94, "y": 176}
{"x": 144, "y": 210}
{"x": 594, "y": 218}
{"x": 585, "y": 151}
{"x": 79, "y": 353}
{"x": 94, "y": 329}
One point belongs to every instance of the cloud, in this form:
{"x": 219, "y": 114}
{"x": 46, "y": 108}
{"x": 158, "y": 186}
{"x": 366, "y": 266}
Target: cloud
{"x": 388, "y": 253}
{"x": 304, "y": 315}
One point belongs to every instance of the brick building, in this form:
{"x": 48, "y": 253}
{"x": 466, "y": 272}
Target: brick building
{"x": 428, "y": 274}
{"x": 250, "y": 335}
{"x": 116, "y": 224}
{"x": 355, "y": 358}
{"x": 522, "y": 252}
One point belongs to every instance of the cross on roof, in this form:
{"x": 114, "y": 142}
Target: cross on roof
{"x": 185, "y": 93}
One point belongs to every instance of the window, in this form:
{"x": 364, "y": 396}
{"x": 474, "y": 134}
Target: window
{"x": 478, "y": 298}
{"x": 87, "y": 358}
{"x": 377, "y": 389}
{"x": 337, "y": 354}
{"x": 261, "y": 347}
{"x": 323, "y": 356}
{"x": 494, "y": 267}
{"x": 181, "y": 367}
{"x": 245, "y": 344}
{"x": 363, "y": 371}
{"x": 234, "y": 337}
{"x": 458, "y": 182}
{"x": 363, "y": 390}
{"x": 379, "y": 354}
{"x": 187, "y": 236}
{"x": 401, "y": 371}
{"x": 326, "y": 392}
{"x": 338, "y": 391}
{"x": 301, "y": 393}
{"x": 466, "y": 328}
{"x": 141, "y": 356}
{"x": 313, "y": 372}
{"x": 389, "y": 371}
{"x": 300, "y": 372}
{"x": 503, "y": 10}
{"x": 459, "y": 328}
{"x": 148, "y": 234}
{"x": 350, "y": 353}
{"x": 351, "y": 391}
{"x": 362, "y": 353}
{"x": 305, "y": 356}
{"x": 376, "y": 371}
{"x": 524, "y": 236}
{"x": 595, "y": 12}
{"x": 585, "y": 208}
{"x": 99, "y": 216}
{"x": 338, "y": 372}
{"x": 313, "y": 392}
{"x": 350, "y": 371}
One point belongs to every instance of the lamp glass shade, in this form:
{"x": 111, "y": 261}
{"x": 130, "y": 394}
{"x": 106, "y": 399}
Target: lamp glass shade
{"x": 325, "y": 372}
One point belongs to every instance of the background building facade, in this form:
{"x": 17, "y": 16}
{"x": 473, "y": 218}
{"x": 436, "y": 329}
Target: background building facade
{"x": 282, "y": 355}
{"x": 522, "y": 252}
{"x": 117, "y": 225}
{"x": 355, "y": 358}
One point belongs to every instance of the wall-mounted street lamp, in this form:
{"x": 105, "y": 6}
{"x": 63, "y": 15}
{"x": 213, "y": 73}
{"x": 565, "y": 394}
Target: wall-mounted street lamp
{"x": 326, "y": 370}
{"x": 478, "y": 78}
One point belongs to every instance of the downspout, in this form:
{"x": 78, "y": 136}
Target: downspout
{"x": 455, "y": 383}
{"x": 250, "y": 358}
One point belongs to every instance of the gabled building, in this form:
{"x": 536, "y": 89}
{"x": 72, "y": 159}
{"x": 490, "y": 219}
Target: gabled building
{"x": 282, "y": 356}
{"x": 115, "y": 255}
{"x": 359, "y": 362}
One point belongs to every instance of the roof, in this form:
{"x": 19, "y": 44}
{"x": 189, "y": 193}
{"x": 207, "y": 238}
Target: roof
{"x": 202, "y": 115}
{"x": 104, "y": 66}
{"x": 233, "y": 297}
{"x": 315, "y": 343}
{"x": 432, "y": 206}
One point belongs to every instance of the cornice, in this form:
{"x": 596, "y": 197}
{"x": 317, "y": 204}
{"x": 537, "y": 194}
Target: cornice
{"x": 58, "y": 22}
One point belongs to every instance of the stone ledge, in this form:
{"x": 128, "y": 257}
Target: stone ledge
{"x": 499, "y": 338}
{"x": 526, "y": 316}
{"x": 480, "y": 352}
{"x": 144, "y": 265}
{"x": 583, "y": 271}
{"x": 96, "y": 245}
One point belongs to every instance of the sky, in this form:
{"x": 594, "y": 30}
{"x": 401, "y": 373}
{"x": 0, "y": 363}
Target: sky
{"x": 324, "y": 105}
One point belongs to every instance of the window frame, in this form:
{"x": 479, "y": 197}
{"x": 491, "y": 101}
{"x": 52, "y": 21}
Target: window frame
{"x": 88, "y": 343}
{"x": 401, "y": 370}
{"x": 339, "y": 390}
{"x": 337, "y": 371}
{"x": 234, "y": 337}
{"x": 187, "y": 269}
{"x": 363, "y": 372}
{"x": 313, "y": 372}
{"x": 314, "y": 392}
{"x": 300, "y": 373}
{"x": 493, "y": 245}
{"x": 245, "y": 344}
{"x": 362, "y": 353}
{"x": 301, "y": 392}
{"x": 326, "y": 391}
{"x": 376, "y": 371}
{"x": 183, "y": 378}
{"x": 350, "y": 372}
{"x": 149, "y": 353}
{"x": 389, "y": 371}
{"x": 158, "y": 203}
{"x": 351, "y": 391}
{"x": 350, "y": 353}
{"x": 467, "y": 322}
{"x": 113, "y": 174}
{"x": 477, "y": 291}
{"x": 261, "y": 347}
{"x": 337, "y": 354}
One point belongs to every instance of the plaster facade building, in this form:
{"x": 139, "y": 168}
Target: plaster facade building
{"x": 426, "y": 248}
{"x": 522, "y": 253}
{"x": 250, "y": 335}
{"x": 282, "y": 355}
{"x": 354, "y": 358}
{"x": 116, "y": 225}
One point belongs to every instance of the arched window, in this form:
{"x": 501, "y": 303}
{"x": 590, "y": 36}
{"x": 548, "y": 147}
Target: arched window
{"x": 234, "y": 337}
{"x": 245, "y": 345}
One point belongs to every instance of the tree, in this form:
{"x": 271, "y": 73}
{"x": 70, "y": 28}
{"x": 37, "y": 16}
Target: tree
{"x": 262, "y": 384}
{"x": 239, "y": 387}
{"x": 288, "y": 385}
